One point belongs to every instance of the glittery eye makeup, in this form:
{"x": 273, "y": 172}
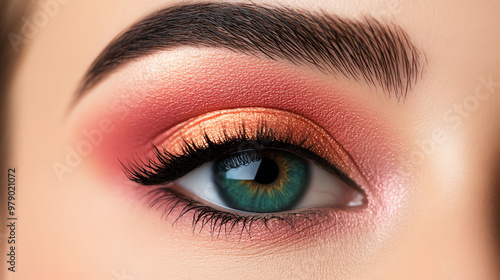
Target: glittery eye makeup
{"x": 259, "y": 107}
{"x": 252, "y": 128}
{"x": 262, "y": 162}
{"x": 297, "y": 81}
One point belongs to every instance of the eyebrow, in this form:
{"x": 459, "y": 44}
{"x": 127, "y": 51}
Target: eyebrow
{"x": 381, "y": 54}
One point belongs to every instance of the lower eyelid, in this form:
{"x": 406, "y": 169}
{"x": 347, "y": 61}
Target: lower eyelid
{"x": 181, "y": 210}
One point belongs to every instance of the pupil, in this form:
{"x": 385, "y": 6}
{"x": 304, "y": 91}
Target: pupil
{"x": 268, "y": 171}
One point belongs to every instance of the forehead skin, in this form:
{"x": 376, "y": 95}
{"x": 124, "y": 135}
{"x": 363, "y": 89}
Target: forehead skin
{"x": 447, "y": 234}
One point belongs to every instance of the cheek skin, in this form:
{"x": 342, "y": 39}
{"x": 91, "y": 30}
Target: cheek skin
{"x": 152, "y": 95}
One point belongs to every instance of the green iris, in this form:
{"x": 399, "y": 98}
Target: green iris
{"x": 261, "y": 181}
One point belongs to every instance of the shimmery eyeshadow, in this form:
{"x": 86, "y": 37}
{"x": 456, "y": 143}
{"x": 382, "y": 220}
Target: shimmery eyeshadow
{"x": 158, "y": 94}
{"x": 216, "y": 124}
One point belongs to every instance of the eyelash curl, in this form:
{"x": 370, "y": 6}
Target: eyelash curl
{"x": 163, "y": 167}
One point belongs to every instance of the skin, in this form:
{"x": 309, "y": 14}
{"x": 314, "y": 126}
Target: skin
{"x": 84, "y": 228}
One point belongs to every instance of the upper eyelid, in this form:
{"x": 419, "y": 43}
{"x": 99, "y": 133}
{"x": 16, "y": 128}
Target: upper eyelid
{"x": 149, "y": 172}
{"x": 386, "y": 56}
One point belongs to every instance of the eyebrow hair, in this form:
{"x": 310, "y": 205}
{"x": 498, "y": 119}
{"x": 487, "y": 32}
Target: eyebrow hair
{"x": 380, "y": 54}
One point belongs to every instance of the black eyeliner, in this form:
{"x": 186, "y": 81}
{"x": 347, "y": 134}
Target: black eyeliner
{"x": 165, "y": 167}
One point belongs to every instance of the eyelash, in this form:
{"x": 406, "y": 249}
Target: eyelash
{"x": 217, "y": 220}
{"x": 164, "y": 167}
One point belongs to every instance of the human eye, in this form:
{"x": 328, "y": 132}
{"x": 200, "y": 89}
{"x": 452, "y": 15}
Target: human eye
{"x": 247, "y": 166}
{"x": 191, "y": 120}
{"x": 172, "y": 128}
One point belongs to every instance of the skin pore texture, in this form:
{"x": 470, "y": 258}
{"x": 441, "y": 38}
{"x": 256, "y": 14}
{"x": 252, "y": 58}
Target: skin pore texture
{"x": 426, "y": 164}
